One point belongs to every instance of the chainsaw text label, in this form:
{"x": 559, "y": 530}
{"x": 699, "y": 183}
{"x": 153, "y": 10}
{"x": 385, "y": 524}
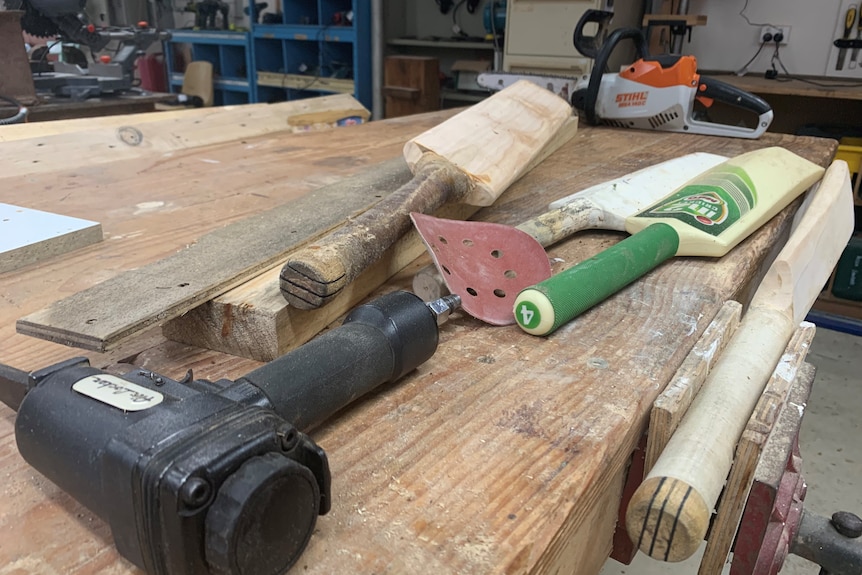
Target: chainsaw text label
{"x": 630, "y": 99}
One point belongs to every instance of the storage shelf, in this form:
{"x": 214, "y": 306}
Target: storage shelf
{"x": 451, "y": 44}
{"x": 310, "y": 53}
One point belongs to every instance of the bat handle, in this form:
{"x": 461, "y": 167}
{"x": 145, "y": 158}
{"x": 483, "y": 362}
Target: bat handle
{"x": 542, "y": 308}
{"x": 314, "y": 275}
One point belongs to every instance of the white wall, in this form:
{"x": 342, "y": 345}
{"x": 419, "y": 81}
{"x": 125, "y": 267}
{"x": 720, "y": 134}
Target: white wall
{"x": 727, "y": 42}
{"x": 423, "y": 18}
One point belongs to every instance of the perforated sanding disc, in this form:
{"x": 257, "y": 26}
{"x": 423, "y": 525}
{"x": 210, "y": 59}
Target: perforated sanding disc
{"x": 486, "y": 264}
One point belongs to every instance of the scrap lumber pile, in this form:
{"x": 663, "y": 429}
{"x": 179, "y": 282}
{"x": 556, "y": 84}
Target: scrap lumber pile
{"x": 221, "y": 290}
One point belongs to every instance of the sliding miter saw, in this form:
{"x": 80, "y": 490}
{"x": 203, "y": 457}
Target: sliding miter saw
{"x": 66, "y": 20}
{"x": 653, "y": 93}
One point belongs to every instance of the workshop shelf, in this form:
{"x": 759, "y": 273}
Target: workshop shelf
{"x": 231, "y": 58}
{"x": 316, "y": 48}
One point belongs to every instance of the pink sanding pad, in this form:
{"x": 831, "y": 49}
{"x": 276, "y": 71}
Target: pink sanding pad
{"x": 485, "y": 264}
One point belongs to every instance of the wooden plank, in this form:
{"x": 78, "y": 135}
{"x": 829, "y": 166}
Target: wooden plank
{"x": 262, "y": 118}
{"x": 682, "y": 19}
{"x": 411, "y": 85}
{"x": 824, "y": 88}
{"x": 670, "y": 407}
{"x": 102, "y": 316}
{"x": 29, "y": 236}
{"x": 305, "y": 82}
{"x": 750, "y": 446}
{"x": 149, "y": 138}
{"x": 255, "y": 321}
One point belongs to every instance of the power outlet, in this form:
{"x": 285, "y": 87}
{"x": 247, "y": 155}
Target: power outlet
{"x": 773, "y": 30}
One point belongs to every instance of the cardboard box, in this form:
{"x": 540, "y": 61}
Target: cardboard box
{"x": 466, "y": 73}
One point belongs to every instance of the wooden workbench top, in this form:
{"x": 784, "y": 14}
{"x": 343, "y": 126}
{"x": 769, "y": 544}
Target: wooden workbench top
{"x": 503, "y": 453}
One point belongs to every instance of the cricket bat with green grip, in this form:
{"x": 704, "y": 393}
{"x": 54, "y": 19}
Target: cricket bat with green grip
{"x": 668, "y": 515}
{"x": 707, "y": 216}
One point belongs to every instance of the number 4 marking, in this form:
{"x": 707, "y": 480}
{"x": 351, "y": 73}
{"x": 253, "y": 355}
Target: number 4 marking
{"x": 526, "y": 314}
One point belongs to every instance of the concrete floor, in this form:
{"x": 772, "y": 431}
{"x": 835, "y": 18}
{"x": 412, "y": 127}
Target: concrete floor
{"x": 829, "y": 443}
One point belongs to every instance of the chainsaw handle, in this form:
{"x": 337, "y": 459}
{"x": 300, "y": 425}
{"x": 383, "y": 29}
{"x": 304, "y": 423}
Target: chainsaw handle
{"x": 730, "y": 94}
{"x": 604, "y": 54}
{"x": 589, "y": 46}
{"x": 542, "y": 308}
{"x": 733, "y": 96}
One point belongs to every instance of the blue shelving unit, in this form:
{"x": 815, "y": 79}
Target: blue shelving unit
{"x": 230, "y": 55}
{"x": 314, "y": 49}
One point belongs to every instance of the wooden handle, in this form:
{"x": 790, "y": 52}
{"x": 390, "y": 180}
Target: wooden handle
{"x": 495, "y": 141}
{"x": 669, "y": 514}
{"x": 317, "y": 273}
{"x": 472, "y": 158}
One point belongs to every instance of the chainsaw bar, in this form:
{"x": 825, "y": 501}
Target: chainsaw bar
{"x": 562, "y": 86}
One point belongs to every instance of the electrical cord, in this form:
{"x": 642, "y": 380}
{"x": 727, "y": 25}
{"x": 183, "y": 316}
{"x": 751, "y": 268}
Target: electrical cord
{"x": 455, "y": 27}
{"x": 749, "y": 22}
{"x": 19, "y": 116}
{"x": 744, "y": 70}
{"x": 776, "y": 57}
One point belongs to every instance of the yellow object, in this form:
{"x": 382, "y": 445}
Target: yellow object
{"x": 198, "y": 81}
{"x": 850, "y": 150}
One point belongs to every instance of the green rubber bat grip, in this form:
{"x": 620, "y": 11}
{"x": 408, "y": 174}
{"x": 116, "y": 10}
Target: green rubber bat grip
{"x": 542, "y": 308}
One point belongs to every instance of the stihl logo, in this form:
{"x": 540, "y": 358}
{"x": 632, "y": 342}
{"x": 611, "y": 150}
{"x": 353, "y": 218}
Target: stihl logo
{"x": 629, "y": 99}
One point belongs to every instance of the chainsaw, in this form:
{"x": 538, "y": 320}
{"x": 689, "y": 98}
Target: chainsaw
{"x": 653, "y": 93}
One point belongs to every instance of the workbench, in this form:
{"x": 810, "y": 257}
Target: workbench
{"x": 801, "y": 102}
{"x": 503, "y": 453}
{"x": 50, "y": 107}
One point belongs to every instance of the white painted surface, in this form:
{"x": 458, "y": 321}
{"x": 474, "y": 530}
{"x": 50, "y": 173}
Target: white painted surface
{"x": 21, "y": 227}
{"x": 28, "y": 236}
{"x": 727, "y": 42}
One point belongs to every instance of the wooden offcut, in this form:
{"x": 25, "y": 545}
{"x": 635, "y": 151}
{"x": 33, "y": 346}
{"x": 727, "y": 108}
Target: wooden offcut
{"x": 254, "y": 321}
{"x": 102, "y": 316}
{"x": 411, "y": 85}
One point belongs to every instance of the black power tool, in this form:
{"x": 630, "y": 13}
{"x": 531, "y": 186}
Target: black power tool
{"x": 199, "y": 477}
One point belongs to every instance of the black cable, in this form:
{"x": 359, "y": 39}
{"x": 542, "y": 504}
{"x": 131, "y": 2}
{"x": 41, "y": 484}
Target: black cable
{"x": 455, "y": 25}
{"x": 47, "y": 51}
{"x": 776, "y": 57}
{"x": 744, "y": 70}
{"x": 749, "y": 22}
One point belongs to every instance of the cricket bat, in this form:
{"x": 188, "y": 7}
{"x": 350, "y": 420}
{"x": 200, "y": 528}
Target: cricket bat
{"x": 707, "y": 216}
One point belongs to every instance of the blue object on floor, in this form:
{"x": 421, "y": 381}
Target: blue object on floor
{"x": 835, "y": 322}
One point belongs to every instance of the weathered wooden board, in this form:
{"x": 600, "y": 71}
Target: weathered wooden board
{"x": 503, "y": 453}
{"x": 104, "y": 315}
{"x": 88, "y": 142}
{"x": 154, "y": 211}
{"x": 29, "y": 236}
{"x": 255, "y": 321}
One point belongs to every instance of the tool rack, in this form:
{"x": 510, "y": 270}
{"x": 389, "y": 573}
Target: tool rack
{"x": 312, "y": 50}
